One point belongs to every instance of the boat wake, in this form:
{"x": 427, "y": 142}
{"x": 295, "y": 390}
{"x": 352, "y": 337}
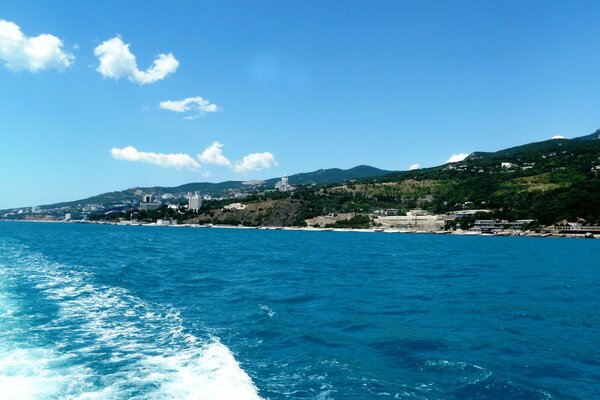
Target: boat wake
{"x": 65, "y": 336}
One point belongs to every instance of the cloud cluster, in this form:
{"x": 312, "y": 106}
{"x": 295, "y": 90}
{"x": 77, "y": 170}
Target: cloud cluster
{"x": 412, "y": 167}
{"x": 213, "y": 154}
{"x": 173, "y": 160}
{"x": 116, "y": 62}
{"x": 558, "y": 137}
{"x": 255, "y": 162}
{"x": 37, "y": 53}
{"x": 457, "y": 157}
{"x": 198, "y": 104}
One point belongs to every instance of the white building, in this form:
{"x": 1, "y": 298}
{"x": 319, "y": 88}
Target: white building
{"x": 417, "y": 212}
{"x": 283, "y": 185}
{"x": 195, "y": 202}
{"x": 235, "y": 206}
{"x": 469, "y": 213}
{"x": 415, "y": 222}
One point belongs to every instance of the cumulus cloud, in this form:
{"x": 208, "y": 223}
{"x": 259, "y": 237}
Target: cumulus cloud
{"x": 457, "y": 157}
{"x": 198, "y": 104}
{"x": 116, "y": 62}
{"x": 558, "y": 137}
{"x": 414, "y": 166}
{"x": 214, "y": 155}
{"x": 36, "y": 53}
{"x": 173, "y": 160}
{"x": 255, "y": 162}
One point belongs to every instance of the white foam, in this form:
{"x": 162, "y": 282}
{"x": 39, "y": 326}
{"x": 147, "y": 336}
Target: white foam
{"x": 36, "y": 373}
{"x": 210, "y": 372}
{"x": 268, "y": 310}
{"x": 162, "y": 360}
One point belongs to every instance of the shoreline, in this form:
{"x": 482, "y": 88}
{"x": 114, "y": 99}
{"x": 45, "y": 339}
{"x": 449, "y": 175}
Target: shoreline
{"x": 312, "y": 229}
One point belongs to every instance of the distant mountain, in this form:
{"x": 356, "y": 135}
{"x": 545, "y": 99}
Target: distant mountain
{"x": 592, "y": 136}
{"x": 321, "y": 176}
{"x": 333, "y": 175}
{"x": 536, "y": 151}
{"x": 549, "y": 181}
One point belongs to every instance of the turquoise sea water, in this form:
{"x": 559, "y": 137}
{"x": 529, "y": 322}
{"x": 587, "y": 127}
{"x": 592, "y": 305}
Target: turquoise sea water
{"x": 110, "y": 312}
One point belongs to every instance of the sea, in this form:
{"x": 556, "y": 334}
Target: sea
{"x": 135, "y": 312}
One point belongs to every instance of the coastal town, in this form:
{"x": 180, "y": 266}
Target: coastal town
{"x": 185, "y": 210}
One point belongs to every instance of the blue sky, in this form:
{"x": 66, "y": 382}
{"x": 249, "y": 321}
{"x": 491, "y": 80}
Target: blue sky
{"x": 285, "y": 87}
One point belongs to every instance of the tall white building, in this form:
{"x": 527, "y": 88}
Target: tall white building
{"x": 283, "y": 185}
{"x": 195, "y": 202}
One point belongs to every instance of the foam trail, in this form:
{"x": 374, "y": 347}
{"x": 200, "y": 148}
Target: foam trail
{"x": 145, "y": 350}
{"x": 208, "y": 373}
{"x": 33, "y": 373}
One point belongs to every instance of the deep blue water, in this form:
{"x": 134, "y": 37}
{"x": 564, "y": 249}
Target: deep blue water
{"x": 110, "y": 312}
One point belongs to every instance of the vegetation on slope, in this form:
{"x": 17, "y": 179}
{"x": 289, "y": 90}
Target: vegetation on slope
{"x": 549, "y": 181}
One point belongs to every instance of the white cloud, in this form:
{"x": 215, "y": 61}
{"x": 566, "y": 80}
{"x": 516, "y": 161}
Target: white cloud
{"x": 20, "y": 52}
{"x": 457, "y": 157}
{"x": 173, "y": 160}
{"x": 255, "y": 162}
{"x": 414, "y": 166}
{"x": 214, "y": 155}
{"x": 250, "y": 162}
{"x": 558, "y": 137}
{"x": 116, "y": 61}
{"x": 198, "y": 104}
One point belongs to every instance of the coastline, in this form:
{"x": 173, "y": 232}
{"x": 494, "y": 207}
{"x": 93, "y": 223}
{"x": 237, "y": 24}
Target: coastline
{"x": 457, "y": 232}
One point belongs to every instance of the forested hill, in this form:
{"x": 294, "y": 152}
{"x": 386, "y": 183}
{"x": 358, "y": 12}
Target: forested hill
{"x": 549, "y": 181}
{"x": 321, "y": 176}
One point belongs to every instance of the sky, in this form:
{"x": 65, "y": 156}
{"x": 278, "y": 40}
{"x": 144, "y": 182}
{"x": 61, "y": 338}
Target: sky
{"x": 103, "y": 96}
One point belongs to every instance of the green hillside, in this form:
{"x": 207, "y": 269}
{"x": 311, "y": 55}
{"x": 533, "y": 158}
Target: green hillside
{"x": 547, "y": 181}
{"x": 224, "y": 189}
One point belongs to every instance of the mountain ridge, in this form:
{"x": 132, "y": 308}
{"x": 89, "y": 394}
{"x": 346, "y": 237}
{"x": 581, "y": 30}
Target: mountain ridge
{"x": 216, "y": 189}
{"x": 591, "y": 136}
{"x": 549, "y": 181}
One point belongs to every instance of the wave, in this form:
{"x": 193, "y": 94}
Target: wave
{"x": 267, "y": 309}
{"x": 458, "y": 379}
{"x": 101, "y": 342}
